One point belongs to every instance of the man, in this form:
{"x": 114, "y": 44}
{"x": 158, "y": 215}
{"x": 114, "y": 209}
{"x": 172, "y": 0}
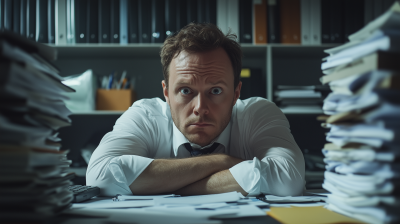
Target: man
{"x": 203, "y": 139}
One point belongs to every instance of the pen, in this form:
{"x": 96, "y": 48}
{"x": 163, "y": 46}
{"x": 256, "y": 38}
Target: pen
{"x": 110, "y": 81}
{"x": 121, "y": 80}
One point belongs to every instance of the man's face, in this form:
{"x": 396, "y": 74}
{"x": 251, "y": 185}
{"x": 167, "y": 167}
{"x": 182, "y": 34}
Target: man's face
{"x": 201, "y": 94}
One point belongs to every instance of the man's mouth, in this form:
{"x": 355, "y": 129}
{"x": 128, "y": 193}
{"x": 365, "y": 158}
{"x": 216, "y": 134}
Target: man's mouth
{"x": 200, "y": 124}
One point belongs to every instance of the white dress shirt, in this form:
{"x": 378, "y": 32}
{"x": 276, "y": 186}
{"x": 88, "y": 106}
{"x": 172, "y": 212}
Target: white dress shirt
{"x": 258, "y": 132}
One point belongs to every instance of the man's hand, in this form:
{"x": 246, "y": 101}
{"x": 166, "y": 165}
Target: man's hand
{"x": 220, "y": 182}
{"x": 169, "y": 175}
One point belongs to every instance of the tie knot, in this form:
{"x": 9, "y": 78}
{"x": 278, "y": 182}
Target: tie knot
{"x": 204, "y": 151}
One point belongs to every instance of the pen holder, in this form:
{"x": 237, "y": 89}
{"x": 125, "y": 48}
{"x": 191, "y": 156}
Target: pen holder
{"x": 113, "y": 99}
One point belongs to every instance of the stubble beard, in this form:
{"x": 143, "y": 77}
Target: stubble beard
{"x": 194, "y": 138}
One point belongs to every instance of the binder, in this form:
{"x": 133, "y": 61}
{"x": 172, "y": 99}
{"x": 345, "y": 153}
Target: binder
{"x": 191, "y": 11}
{"x": 70, "y": 21}
{"x": 81, "y": 13}
{"x": 114, "y": 38}
{"x": 201, "y": 11}
{"x": 260, "y": 22}
{"x": 336, "y": 18}
{"x": 222, "y": 15}
{"x": 211, "y": 11}
{"x": 133, "y": 18}
{"x": 368, "y": 11}
{"x": 8, "y": 15}
{"x": 104, "y": 21}
{"x": 51, "y": 21}
{"x": 325, "y": 22}
{"x": 123, "y": 21}
{"x": 305, "y": 7}
{"x": 93, "y": 24}
{"x": 315, "y": 22}
{"x": 273, "y": 27}
{"x": 233, "y": 16}
{"x": 245, "y": 21}
{"x": 23, "y": 20}
{"x": 16, "y": 20}
{"x": 41, "y": 21}
{"x": 157, "y": 26}
{"x": 31, "y": 19}
{"x": 144, "y": 21}
{"x": 290, "y": 21}
{"x": 181, "y": 14}
{"x": 170, "y": 17}
{"x": 60, "y": 22}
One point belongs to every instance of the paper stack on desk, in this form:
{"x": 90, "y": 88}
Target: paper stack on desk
{"x": 33, "y": 178}
{"x": 363, "y": 170}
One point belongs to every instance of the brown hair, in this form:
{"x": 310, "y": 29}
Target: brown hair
{"x": 200, "y": 37}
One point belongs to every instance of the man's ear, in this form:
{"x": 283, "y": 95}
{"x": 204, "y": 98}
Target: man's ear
{"x": 165, "y": 91}
{"x": 237, "y": 92}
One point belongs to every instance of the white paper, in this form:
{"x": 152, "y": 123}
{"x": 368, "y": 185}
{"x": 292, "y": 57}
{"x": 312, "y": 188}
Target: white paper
{"x": 109, "y": 203}
{"x": 200, "y": 199}
{"x": 143, "y": 197}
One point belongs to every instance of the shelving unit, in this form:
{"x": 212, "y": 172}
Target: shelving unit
{"x": 280, "y": 64}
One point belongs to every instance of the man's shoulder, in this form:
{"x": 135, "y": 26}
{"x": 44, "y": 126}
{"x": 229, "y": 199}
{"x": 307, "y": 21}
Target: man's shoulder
{"x": 152, "y": 107}
{"x": 254, "y": 103}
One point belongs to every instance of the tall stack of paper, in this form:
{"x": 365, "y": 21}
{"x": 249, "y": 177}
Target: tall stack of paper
{"x": 33, "y": 178}
{"x": 362, "y": 160}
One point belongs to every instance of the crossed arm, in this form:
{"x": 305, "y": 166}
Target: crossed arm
{"x": 190, "y": 176}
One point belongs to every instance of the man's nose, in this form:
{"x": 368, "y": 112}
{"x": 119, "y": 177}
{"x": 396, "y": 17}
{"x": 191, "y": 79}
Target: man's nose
{"x": 201, "y": 106}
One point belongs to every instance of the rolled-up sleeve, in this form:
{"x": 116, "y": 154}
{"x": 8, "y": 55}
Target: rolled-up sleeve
{"x": 277, "y": 164}
{"x": 123, "y": 154}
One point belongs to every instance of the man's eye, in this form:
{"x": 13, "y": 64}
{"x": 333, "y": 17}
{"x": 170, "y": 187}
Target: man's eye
{"x": 216, "y": 91}
{"x": 185, "y": 91}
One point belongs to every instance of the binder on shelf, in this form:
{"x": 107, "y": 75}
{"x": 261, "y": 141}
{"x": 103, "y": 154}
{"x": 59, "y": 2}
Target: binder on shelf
{"x": 325, "y": 22}
{"x": 23, "y": 19}
{"x": 93, "y": 21}
{"x": 273, "y": 23}
{"x": 114, "y": 38}
{"x": 305, "y": 6}
{"x": 222, "y": 15}
{"x": 353, "y": 17}
{"x": 60, "y": 22}
{"x": 260, "y": 22}
{"x": 211, "y": 11}
{"x": 191, "y": 11}
{"x": 170, "y": 17}
{"x": 201, "y": 11}
{"x": 315, "y": 22}
{"x": 51, "y": 21}
{"x": 336, "y": 24}
{"x": 8, "y": 14}
{"x": 81, "y": 15}
{"x": 233, "y": 16}
{"x": 158, "y": 23}
{"x": 104, "y": 21}
{"x": 245, "y": 21}
{"x": 123, "y": 21}
{"x": 290, "y": 21}
{"x": 368, "y": 11}
{"x": 16, "y": 19}
{"x": 181, "y": 14}
{"x": 133, "y": 32}
{"x": 41, "y": 21}
{"x": 144, "y": 21}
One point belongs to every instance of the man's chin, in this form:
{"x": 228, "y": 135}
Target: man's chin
{"x": 199, "y": 138}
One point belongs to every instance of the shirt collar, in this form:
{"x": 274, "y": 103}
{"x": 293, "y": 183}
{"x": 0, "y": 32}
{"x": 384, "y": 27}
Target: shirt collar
{"x": 179, "y": 139}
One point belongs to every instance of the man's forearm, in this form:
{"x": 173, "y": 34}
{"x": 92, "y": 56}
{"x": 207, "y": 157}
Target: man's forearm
{"x": 168, "y": 175}
{"x": 216, "y": 183}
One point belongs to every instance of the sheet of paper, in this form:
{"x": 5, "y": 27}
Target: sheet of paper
{"x": 308, "y": 215}
{"x": 200, "y": 199}
{"x": 109, "y": 203}
{"x": 143, "y": 197}
{"x": 273, "y": 198}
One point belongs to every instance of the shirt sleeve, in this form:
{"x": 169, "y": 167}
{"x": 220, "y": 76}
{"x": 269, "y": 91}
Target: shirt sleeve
{"x": 123, "y": 154}
{"x": 277, "y": 165}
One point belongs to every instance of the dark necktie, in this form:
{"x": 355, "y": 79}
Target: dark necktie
{"x": 201, "y": 152}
